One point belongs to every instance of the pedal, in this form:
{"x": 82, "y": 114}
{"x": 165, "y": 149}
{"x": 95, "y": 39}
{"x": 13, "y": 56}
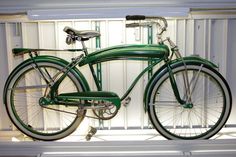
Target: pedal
{"x": 126, "y": 102}
{"x": 92, "y": 131}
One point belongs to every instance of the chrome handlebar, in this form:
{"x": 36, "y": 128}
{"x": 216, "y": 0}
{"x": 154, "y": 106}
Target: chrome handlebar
{"x": 150, "y": 21}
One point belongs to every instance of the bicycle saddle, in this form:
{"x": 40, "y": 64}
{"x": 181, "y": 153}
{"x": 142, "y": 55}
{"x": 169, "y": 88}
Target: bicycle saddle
{"x": 84, "y": 35}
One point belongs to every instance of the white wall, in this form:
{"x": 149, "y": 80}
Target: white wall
{"x": 213, "y": 39}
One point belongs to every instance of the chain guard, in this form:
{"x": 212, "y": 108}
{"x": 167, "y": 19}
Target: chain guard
{"x": 103, "y": 110}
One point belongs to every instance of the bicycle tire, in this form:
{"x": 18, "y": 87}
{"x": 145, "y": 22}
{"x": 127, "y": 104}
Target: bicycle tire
{"x": 22, "y": 97}
{"x": 209, "y": 112}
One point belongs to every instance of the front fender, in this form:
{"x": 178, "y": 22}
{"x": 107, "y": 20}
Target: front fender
{"x": 174, "y": 63}
{"x": 49, "y": 59}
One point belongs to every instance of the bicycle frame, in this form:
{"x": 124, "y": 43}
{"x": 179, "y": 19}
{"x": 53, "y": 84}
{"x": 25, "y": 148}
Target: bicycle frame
{"x": 155, "y": 61}
{"x": 77, "y": 60}
{"x": 149, "y": 67}
{"x": 81, "y": 61}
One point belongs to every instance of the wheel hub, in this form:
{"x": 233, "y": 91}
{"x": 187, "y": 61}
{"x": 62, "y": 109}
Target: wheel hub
{"x": 188, "y": 105}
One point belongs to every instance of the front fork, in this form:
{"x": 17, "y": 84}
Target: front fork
{"x": 186, "y": 101}
{"x": 174, "y": 86}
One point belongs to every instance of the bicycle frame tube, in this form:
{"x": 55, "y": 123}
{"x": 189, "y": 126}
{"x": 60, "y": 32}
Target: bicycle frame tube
{"x": 139, "y": 76}
{"x": 155, "y": 53}
{"x": 99, "y": 87}
{"x": 57, "y": 83}
{"x": 172, "y": 80}
{"x": 95, "y": 77}
{"x": 155, "y": 62}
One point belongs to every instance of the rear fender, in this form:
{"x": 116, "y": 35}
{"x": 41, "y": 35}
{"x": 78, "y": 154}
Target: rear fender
{"x": 49, "y": 59}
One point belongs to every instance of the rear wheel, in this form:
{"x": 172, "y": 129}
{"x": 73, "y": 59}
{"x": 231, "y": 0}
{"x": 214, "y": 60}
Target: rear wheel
{"x": 49, "y": 122}
{"x": 202, "y": 118}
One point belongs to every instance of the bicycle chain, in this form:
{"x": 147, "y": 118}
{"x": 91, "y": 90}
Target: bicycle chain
{"x": 69, "y": 112}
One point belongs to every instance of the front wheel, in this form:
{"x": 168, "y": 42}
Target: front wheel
{"x": 23, "y": 92}
{"x": 210, "y": 100}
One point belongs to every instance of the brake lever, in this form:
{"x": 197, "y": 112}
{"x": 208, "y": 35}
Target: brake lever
{"x": 130, "y": 25}
{"x": 140, "y": 24}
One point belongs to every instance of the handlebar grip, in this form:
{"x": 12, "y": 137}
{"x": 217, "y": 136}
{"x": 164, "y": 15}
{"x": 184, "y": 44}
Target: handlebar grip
{"x": 135, "y": 17}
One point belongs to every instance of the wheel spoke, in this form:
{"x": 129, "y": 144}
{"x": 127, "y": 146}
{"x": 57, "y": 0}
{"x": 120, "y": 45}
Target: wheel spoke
{"x": 37, "y": 121}
{"x": 208, "y": 99}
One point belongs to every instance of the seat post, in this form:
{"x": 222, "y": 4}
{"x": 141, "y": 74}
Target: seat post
{"x": 84, "y": 48}
{"x": 91, "y": 66}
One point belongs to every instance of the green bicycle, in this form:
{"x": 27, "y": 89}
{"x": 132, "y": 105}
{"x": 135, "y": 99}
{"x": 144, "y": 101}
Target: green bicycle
{"x": 47, "y": 97}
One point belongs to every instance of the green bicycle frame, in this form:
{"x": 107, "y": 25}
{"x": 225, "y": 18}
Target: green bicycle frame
{"x": 153, "y": 53}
